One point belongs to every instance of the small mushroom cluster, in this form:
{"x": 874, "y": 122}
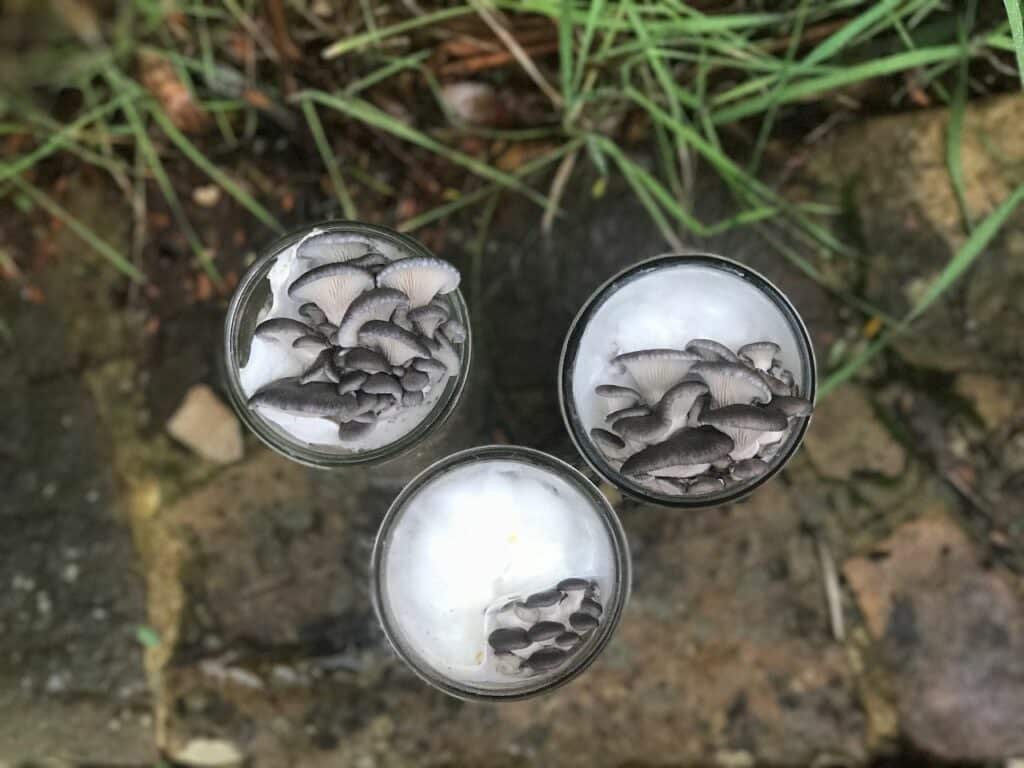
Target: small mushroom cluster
{"x": 376, "y": 336}
{"x": 701, "y": 418}
{"x": 541, "y": 632}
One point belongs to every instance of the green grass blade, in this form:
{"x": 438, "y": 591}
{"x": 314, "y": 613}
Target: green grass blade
{"x": 593, "y": 14}
{"x": 193, "y": 153}
{"x": 383, "y": 73}
{"x": 565, "y": 37}
{"x": 98, "y": 244}
{"x": 376, "y": 118}
{"x": 1014, "y": 14}
{"x": 373, "y": 37}
{"x": 324, "y": 148}
{"x": 954, "y": 133}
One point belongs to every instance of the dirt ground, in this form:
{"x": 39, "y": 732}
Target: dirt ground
{"x": 161, "y": 606}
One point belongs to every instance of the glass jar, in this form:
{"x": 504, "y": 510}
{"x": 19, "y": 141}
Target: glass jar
{"x": 664, "y": 302}
{"x": 483, "y": 567}
{"x": 252, "y": 303}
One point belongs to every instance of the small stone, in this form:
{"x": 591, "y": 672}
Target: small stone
{"x": 206, "y": 196}
{"x": 210, "y": 753}
{"x": 70, "y": 573}
{"x": 204, "y": 424}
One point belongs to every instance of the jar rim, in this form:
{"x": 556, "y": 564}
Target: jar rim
{"x": 308, "y": 454}
{"x": 605, "y": 291}
{"x": 599, "y": 504}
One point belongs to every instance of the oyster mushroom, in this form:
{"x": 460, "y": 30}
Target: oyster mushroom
{"x": 375, "y": 304}
{"x": 745, "y": 424}
{"x": 354, "y": 431}
{"x": 442, "y": 350}
{"x": 698, "y": 407}
{"x": 567, "y": 641}
{"x": 732, "y": 383}
{"x": 421, "y": 279}
{"x": 281, "y": 330}
{"x": 322, "y": 369}
{"x": 332, "y": 246}
{"x": 618, "y": 397}
{"x": 313, "y": 314}
{"x": 685, "y": 454}
{"x": 793, "y": 407}
{"x": 435, "y": 369}
{"x": 454, "y": 330}
{"x": 625, "y": 413}
{"x": 545, "y": 630}
{"x": 411, "y": 399}
{"x": 711, "y": 350}
{"x": 748, "y": 469}
{"x": 396, "y": 344}
{"x": 401, "y": 318}
{"x": 545, "y": 659}
{"x": 383, "y": 384}
{"x": 415, "y": 381}
{"x": 371, "y": 260}
{"x": 544, "y": 599}
{"x": 583, "y": 622}
{"x": 655, "y": 370}
{"x": 611, "y": 445}
{"x": 775, "y": 385}
{"x": 759, "y": 354}
{"x": 427, "y": 319}
{"x": 651, "y": 428}
{"x": 332, "y": 287}
{"x": 350, "y": 381}
{"x": 367, "y": 360}
{"x": 703, "y": 485}
{"x": 675, "y": 406}
{"x": 508, "y": 639}
{"x": 573, "y": 584}
{"x": 311, "y": 342}
{"x": 318, "y": 398}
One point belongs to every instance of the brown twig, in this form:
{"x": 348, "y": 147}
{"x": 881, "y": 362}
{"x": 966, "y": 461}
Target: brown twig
{"x": 493, "y": 60}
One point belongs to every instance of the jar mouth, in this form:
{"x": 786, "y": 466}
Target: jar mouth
{"x": 237, "y": 339}
{"x": 574, "y": 420}
{"x": 617, "y": 598}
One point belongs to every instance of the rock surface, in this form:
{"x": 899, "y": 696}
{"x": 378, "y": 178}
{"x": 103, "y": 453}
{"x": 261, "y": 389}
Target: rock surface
{"x": 207, "y": 426}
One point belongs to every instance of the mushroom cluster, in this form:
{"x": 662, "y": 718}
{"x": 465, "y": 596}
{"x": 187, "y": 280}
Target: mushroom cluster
{"x": 699, "y": 419}
{"x": 377, "y": 335}
{"x": 541, "y": 632}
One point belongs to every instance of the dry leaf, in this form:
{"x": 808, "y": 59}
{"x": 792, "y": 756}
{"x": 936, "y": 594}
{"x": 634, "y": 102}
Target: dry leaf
{"x": 160, "y": 79}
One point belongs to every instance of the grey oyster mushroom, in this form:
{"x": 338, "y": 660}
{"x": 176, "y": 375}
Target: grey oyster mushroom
{"x": 435, "y": 369}
{"x": 332, "y": 287}
{"x": 704, "y": 485}
{"x": 421, "y": 279}
{"x": 396, "y": 344}
{"x": 366, "y": 418}
{"x": 567, "y": 641}
{"x": 711, "y": 350}
{"x": 625, "y": 413}
{"x": 775, "y": 385}
{"x": 401, "y": 319}
{"x": 354, "y": 431}
{"x": 545, "y": 630}
{"x": 685, "y": 454}
{"x": 350, "y": 381}
{"x": 454, "y": 330}
{"x": 591, "y": 606}
{"x": 611, "y": 445}
{"x": 383, "y": 384}
{"x": 645, "y": 430}
{"x": 312, "y": 342}
{"x": 793, "y": 407}
{"x": 442, "y": 350}
{"x": 733, "y": 383}
{"x": 411, "y": 399}
{"x": 322, "y": 369}
{"x": 368, "y": 360}
{"x": 386, "y": 403}
{"x": 678, "y": 401}
{"x": 746, "y": 425}
{"x": 574, "y": 584}
{"x": 583, "y": 622}
{"x": 318, "y": 398}
{"x": 332, "y": 246}
{"x": 415, "y": 381}
{"x": 427, "y": 319}
{"x": 281, "y": 330}
{"x": 313, "y": 314}
{"x": 375, "y": 304}
{"x": 508, "y": 639}
{"x": 544, "y": 599}
{"x": 748, "y": 469}
{"x": 371, "y": 260}
{"x": 327, "y": 330}
{"x": 699, "y": 406}
{"x": 618, "y": 397}
{"x": 759, "y": 354}
{"x": 655, "y": 370}
{"x": 787, "y": 378}
{"x": 546, "y": 658}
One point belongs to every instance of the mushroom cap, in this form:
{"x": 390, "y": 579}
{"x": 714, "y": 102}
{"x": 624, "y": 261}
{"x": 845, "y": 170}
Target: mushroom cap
{"x": 681, "y": 472}
{"x": 732, "y": 383}
{"x": 567, "y": 640}
{"x": 508, "y": 639}
{"x": 411, "y": 399}
{"x": 687, "y": 447}
{"x": 313, "y": 313}
{"x": 711, "y": 350}
{"x": 415, "y": 381}
{"x": 699, "y": 405}
{"x": 642, "y": 429}
{"x": 382, "y": 384}
{"x": 545, "y": 630}
{"x": 655, "y": 370}
{"x": 371, "y": 260}
{"x": 674, "y": 406}
{"x": 313, "y": 342}
{"x": 435, "y": 369}
{"x": 704, "y": 485}
{"x": 546, "y": 658}
{"x": 573, "y": 584}
{"x": 617, "y": 394}
{"x": 591, "y": 606}
{"x": 395, "y": 343}
{"x": 375, "y": 304}
{"x": 350, "y": 381}
{"x": 332, "y": 287}
{"x": 611, "y": 445}
{"x": 745, "y": 424}
{"x": 792, "y": 406}
{"x": 421, "y": 279}
{"x": 368, "y": 360}
{"x": 454, "y": 330}
{"x": 625, "y": 413}
{"x": 544, "y": 599}
{"x": 318, "y": 398}
{"x": 333, "y": 246}
{"x": 775, "y": 385}
{"x": 427, "y": 319}
{"x": 748, "y": 469}
{"x": 281, "y": 330}
{"x": 354, "y": 431}
{"x": 322, "y": 369}
{"x": 442, "y": 350}
{"x": 759, "y": 354}
{"x": 583, "y": 622}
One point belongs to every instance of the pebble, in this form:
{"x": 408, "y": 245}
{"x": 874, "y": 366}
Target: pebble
{"x": 208, "y": 427}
